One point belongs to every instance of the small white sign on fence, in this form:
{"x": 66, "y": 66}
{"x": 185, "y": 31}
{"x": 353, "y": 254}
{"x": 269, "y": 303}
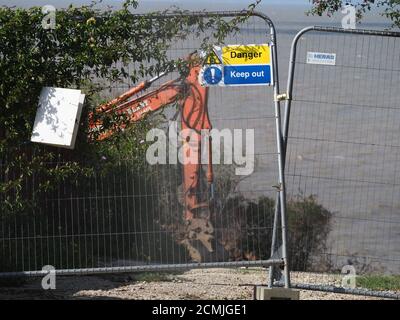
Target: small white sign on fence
{"x": 328, "y": 59}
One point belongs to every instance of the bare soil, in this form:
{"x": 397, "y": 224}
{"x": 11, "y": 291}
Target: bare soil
{"x": 213, "y": 284}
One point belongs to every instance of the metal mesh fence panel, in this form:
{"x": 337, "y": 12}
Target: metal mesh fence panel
{"x": 128, "y": 215}
{"x": 343, "y": 149}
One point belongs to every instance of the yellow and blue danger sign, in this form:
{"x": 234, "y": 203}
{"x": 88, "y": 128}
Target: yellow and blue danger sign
{"x": 246, "y": 55}
{"x": 241, "y": 65}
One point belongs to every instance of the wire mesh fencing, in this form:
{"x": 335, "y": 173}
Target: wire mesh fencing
{"x": 343, "y": 149}
{"x": 128, "y": 215}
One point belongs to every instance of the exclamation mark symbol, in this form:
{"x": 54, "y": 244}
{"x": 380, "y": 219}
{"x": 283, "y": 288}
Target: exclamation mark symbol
{"x": 213, "y": 75}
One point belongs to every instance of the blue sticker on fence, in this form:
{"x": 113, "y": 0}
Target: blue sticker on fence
{"x": 247, "y": 75}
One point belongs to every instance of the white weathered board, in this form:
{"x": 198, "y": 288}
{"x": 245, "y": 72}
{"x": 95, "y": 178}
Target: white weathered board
{"x": 57, "y": 118}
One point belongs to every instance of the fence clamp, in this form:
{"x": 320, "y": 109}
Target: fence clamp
{"x": 278, "y": 187}
{"x": 281, "y": 97}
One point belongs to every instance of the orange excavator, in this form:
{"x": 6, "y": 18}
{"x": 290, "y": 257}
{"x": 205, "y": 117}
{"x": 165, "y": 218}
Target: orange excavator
{"x": 197, "y": 233}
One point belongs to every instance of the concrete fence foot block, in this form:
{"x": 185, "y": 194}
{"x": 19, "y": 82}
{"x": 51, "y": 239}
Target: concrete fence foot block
{"x": 266, "y": 293}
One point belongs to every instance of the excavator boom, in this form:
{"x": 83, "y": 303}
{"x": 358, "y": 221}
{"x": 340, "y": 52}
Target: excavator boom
{"x": 193, "y": 101}
{"x": 134, "y": 110}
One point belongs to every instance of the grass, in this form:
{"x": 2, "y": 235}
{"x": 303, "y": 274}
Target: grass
{"x": 378, "y": 283}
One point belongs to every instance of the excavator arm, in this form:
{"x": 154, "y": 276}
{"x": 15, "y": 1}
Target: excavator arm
{"x": 135, "y": 109}
{"x": 193, "y": 101}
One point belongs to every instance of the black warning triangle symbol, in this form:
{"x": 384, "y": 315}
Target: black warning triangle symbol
{"x": 212, "y": 58}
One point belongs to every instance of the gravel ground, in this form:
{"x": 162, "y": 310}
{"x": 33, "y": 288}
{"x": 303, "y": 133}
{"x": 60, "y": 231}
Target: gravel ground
{"x": 221, "y": 284}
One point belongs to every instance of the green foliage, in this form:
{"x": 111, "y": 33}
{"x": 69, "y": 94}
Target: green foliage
{"x": 391, "y": 8}
{"x": 392, "y": 12}
{"x": 309, "y": 226}
{"x": 88, "y": 49}
{"x": 376, "y": 282}
{"x": 112, "y": 215}
{"x": 308, "y": 229}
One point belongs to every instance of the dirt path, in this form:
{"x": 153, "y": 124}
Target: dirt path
{"x": 224, "y": 284}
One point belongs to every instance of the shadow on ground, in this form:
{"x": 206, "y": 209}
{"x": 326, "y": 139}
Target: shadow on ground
{"x": 69, "y": 287}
